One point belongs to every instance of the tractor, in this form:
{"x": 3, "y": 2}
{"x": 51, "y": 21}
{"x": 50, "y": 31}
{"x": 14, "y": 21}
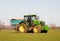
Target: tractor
{"x": 30, "y": 23}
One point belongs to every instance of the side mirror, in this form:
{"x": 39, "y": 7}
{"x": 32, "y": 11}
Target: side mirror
{"x": 37, "y": 17}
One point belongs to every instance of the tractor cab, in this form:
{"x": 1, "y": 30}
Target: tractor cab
{"x": 33, "y": 19}
{"x": 30, "y": 18}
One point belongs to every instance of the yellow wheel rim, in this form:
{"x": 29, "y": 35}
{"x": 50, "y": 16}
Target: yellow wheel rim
{"x": 35, "y": 30}
{"x": 21, "y": 29}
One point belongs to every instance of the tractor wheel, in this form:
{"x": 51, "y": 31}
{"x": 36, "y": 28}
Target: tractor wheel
{"x": 45, "y": 31}
{"x": 17, "y": 27}
{"x": 37, "y": 29}
{"x": 22, "y": 28}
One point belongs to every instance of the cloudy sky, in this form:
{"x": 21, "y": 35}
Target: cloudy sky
{"x": 47, "y": 10}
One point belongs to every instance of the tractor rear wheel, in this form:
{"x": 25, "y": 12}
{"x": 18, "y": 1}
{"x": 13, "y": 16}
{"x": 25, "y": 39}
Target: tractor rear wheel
{"x": 22, "y": 28}
{"x": 37, "y": 29}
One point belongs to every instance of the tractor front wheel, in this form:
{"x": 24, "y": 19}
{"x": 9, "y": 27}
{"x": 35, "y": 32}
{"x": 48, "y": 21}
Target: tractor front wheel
{"x": 37, "y": 29}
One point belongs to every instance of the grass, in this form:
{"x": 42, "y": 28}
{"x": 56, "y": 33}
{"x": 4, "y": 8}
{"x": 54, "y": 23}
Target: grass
{"x": 11, "y": 35}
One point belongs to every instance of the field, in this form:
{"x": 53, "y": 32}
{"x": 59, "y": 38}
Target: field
{"x": 11, "y": 35}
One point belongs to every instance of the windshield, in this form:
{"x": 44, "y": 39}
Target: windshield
{"x": 33, "y": 18}
{"x": 26, "y": 18}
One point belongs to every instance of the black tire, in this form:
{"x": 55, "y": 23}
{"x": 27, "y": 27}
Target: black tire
{"x": 22, "y": 28}
{"x": 37, "y": 29}
{"x": 44, "y": 31}
{"x": 17, "y": 27}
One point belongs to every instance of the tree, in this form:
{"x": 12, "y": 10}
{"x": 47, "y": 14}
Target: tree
{"x": 1, "y": 25}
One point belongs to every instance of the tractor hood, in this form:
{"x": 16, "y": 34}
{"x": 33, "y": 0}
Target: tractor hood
{"x": 36, "y": 22}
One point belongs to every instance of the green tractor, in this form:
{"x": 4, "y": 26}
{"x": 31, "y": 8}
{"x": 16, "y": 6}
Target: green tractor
{"x": 29, "y": 24}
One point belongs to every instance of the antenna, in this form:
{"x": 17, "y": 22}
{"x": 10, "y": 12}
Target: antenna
{"x": 29, "y": 13}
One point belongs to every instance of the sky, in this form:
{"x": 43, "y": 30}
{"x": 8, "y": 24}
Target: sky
{"x": 47, "y": 10}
